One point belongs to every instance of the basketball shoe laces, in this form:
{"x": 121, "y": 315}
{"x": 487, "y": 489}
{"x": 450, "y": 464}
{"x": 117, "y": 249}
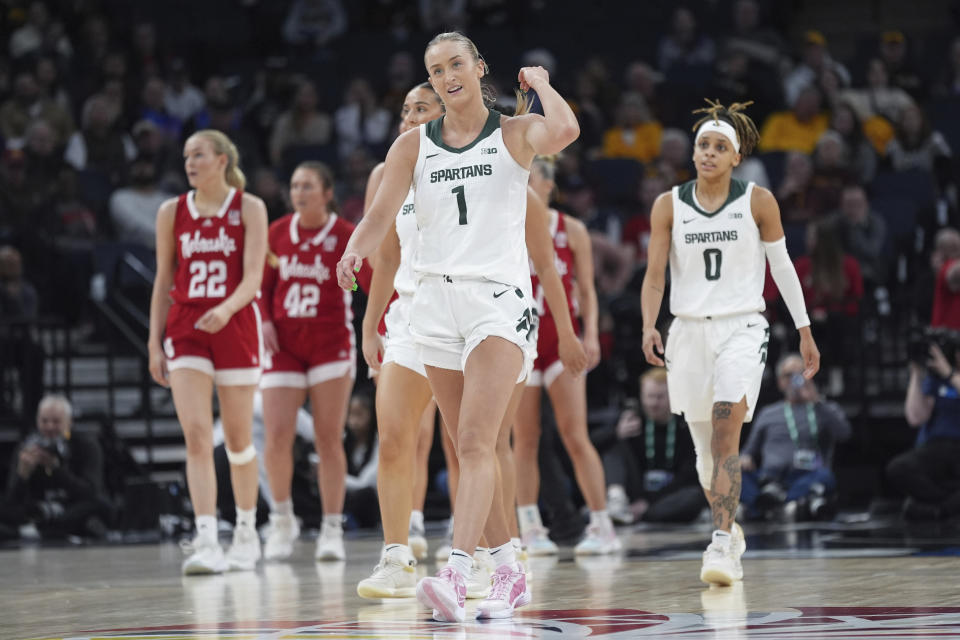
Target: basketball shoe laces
{"x": 502, "y": 585}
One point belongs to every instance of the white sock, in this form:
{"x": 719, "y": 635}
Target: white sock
{"x": 505, "y": 554}
{"x": 461, "y": 562}
{"x": 400, "y": 551}
{"x": 528, "y": 517}
{"x": 206, "y": 526}
{"x": 247, "y": 517}
{"x": 601, "y": 519}
{"x": 416, "y": 519}
{"x": 722, "y": 538}
{"x": 284, "y": 508}
{"x": 517, "y": 544}
{"x": 334, "y": 520}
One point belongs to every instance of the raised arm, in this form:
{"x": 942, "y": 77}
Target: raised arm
{"x": 766, "y": 213}
{"x": 533, "y": 134}
{"x": 162, "y": 283}
{"x": 540, "y": 248}
{"x": 397, "y": 176}
{"x": 654, "y": 280}
{"x": 579, "y": 239}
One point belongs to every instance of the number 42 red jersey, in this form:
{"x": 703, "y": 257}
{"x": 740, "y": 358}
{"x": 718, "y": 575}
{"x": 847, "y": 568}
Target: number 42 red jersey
{"x": 300, "y": 278}
{"x": 209, "y": 251}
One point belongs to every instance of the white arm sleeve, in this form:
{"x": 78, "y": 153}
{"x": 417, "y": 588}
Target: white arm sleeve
{"x": 781, "y": 268}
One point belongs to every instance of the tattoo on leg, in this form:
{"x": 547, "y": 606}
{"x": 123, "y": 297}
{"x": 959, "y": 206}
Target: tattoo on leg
{"x": 722, "y": 410}
{"x": 724, "y": 505}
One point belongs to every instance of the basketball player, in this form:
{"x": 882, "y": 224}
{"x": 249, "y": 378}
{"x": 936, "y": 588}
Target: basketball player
{"x": 471, "y": 314}
{"x": 718, "y": 233}
{"x": 568, "y": 394}
{"x": 211, "y": 245}
{"x": 308, "y": 332}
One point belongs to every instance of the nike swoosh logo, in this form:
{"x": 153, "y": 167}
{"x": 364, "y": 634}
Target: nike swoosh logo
{"x": 497, "y": 295}
{"x": 752, "y": 325}
{"x": 431, "y": 155}
{"x": 690, "y": 220}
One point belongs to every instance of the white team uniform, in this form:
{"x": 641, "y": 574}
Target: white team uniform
{"x": 471, "y": 266}
{"x": 716, "y": 348}
{"x": 399, "y": 346}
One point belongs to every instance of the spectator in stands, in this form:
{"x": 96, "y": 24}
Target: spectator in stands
{"x": 735, "y": 79}
{"x": 832, "y": 287}
{"x": 878, "y": 98}
{"x": 636, "y": 231}
{"x": 684, "y": 46}
{"x": 301, "y": 124}
{"x": 361, "y": 121}
{"x": 39, "y": 35}
{"x": 946, "y": 247}
{"x": 153, "y": 108}
{"x": 916, "y": 145}
{"x": 674, "y": 162}
{"x": 948, "y": 81}
{"x": 831, "y": 173}
{"x": 26, "y": 107}
{"x": 44, "y": 161}
{"x": 929, "y": 473}
{"x": 797, "y": 129}
{"x": 440, "y": 15}
{"x": 864, "y": 234}
{"x": 314, "y": 22}
{"x": 17, "y": 200}
{"x": 649, "y": 459}
{"x": 147, "y": 59}
{"x": 400, "y": 77}
{"x": 636, "y": 134}
{"x": 793, "y": 191}
{"x": 167, "y": 160}
{"x": 99, "y": 145}
{"x": 863, "y": 159}
{"x": 901, "y": 70}
{"x": 56, "y": 478}
{"x": 266, "y": 185}
{"x": 19, "y": 350}
{"x": 642, "y": 79}
{"x": 182, "y": 100}
{"x": 361, "y": 507}
{"x": 589, "y": 114}
{"x": 221, "y": 113}
{"x": 946, "y": 294}
{"x": 787, "y": 462}
{"x": 49, "y": 82}
{"x": 133, "y": 208}
{"x": 762, "y": 45}
{"x": 815, "y": 61}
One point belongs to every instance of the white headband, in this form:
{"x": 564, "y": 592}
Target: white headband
{"x": 721, "y": 127}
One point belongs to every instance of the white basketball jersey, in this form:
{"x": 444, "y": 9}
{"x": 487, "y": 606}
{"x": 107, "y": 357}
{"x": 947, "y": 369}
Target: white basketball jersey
{"x": 404, "y": 282}
{"x": 471, "y": 206}
{"x": 717, "y": 262}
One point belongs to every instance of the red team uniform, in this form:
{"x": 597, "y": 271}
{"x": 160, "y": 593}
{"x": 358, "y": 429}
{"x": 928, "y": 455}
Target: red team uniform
{"x": 209, "y": 268}
{"x": 548, "y": 366}
{"x": 311, "y": 313}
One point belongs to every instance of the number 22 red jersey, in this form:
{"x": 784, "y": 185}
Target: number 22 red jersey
{"x": 564, "y": 264}
{"x": 209, "y": 251}
{"x": 300, "y": 279}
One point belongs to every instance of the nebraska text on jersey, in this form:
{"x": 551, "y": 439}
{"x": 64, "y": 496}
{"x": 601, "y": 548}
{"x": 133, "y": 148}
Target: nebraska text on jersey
{"x": 291, "y": 267}
{"x": 196, "y": 244}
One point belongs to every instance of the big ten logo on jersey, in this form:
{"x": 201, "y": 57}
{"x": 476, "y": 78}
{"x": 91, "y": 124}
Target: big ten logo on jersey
{"x": 488, "y": 151}
{"x": 407, "y": 210}
{"x": 233, "y": 217}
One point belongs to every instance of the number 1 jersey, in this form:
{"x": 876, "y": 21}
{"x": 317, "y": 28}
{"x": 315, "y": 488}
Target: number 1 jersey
{"x": 717, "y": 262}
{"x": 300, "y": 278}
{"x": 471, "y": 207}
{"x": 209, "y": 251}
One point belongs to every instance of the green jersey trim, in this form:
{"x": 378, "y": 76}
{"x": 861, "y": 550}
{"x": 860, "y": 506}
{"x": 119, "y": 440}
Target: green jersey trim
{"x": 737, "y": 189}
{"x": 434, "y": 130}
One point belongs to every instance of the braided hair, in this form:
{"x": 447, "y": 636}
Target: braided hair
{"x": 734, "y": 115}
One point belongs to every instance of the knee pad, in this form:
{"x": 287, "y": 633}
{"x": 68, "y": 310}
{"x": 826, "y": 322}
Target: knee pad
{"x": 701, "y": 433}
{"x": 241, "y": 457}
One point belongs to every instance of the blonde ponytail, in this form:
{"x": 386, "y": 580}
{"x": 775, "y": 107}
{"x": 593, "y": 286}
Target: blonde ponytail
{"x": 222, "y": 145}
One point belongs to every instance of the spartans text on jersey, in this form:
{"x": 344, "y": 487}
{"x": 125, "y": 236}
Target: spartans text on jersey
{"x": 710, "y": 236}
{"x": 461, "y": 173}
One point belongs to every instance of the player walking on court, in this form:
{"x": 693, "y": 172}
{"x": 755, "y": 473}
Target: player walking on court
{"x": 311, "y": 350}
{"x": 718, "y": 233}
{"x": 205, "y": 333}
{"x": 471, "y": 314}
{"x": 568, "y": 393}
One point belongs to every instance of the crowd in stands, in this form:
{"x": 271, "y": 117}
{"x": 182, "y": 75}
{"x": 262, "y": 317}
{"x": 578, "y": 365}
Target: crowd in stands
{"x": 97, "y": 97}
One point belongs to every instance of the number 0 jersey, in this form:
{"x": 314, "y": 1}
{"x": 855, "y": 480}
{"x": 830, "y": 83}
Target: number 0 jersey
{"x": 209, "y": 251}
{"x": 471, "y": 206}
{"x": 300, "y": 279}
{"x": 717, "y": 262}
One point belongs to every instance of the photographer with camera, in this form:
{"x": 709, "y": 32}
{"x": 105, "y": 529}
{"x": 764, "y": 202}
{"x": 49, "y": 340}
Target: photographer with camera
{"x": 56, "y": 479}
{"x": 929, "y": 474}
{"x": 786, "y": 463}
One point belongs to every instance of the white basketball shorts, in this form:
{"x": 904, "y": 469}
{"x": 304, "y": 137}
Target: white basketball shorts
{"x": 399, "y": 345}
